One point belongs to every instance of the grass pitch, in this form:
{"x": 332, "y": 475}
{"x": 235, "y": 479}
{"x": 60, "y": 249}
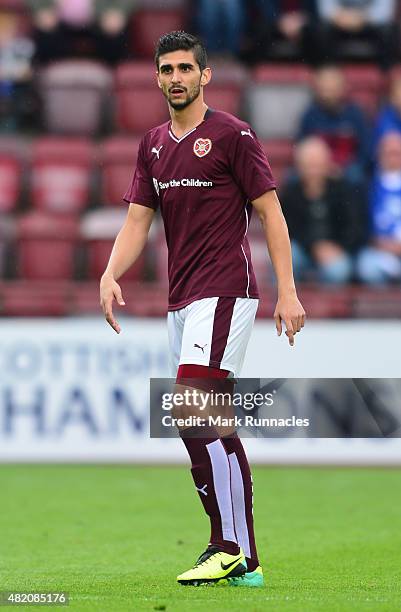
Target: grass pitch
{"x": 116, "y": 537}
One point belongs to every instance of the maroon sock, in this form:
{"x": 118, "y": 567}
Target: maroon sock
{"x": 242, "y": 496}
{"x": 211, "y": 474}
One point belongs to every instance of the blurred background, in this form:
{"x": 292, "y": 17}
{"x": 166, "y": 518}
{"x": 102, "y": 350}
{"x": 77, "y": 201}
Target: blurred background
{"x": 319, "y": 81}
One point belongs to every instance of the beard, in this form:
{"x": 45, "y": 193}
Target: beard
{"x": 190, "y": 97}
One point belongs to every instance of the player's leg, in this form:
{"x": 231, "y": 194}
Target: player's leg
{"x": 210, "y": 466}
{"x": 242, "y": 321}
{"x": 241, "y": 487}
{"x": 242, "y": 499}
{"x": 228, "y": 322}
{"x": 211, "y": 474}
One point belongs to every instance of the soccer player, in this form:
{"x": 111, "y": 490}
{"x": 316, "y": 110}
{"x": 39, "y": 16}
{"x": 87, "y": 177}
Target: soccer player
{"x": 206, "y": 171}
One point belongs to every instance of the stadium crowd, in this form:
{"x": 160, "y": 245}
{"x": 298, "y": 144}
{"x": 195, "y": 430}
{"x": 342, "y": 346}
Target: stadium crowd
{"x": 318, "y": 79}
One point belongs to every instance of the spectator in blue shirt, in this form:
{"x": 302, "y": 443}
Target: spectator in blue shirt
{"x": 381, "y": 261}
{"x": 389, "y": 119}
{"x": 339, "y": 122}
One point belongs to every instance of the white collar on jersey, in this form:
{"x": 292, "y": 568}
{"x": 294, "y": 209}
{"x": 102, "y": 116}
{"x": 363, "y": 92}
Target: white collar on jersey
{"x": 182, "y": 137}
{"x": 206, "y": 116}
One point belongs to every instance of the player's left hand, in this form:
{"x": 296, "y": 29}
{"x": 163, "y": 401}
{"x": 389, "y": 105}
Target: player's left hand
{"x": 110, "y": 290}
{"x": 289, "y": 309}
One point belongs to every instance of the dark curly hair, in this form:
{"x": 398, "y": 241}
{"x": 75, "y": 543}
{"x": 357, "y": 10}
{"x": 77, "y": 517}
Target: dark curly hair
{"x": 180, "y": 40}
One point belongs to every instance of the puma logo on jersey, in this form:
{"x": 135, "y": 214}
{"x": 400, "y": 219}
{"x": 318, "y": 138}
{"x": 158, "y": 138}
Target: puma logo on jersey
{"x": 202, "y": 489}
{"x": 202, "y": 348}
{"x": 157, "y": 151}
{"x": 246, "y": 133}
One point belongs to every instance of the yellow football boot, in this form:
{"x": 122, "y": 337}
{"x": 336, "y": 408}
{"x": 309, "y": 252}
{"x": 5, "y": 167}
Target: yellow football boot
{"x": 212, "y": 566}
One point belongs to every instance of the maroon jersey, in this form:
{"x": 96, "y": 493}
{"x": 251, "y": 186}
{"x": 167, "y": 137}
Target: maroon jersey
{"x": 204, "y": 183}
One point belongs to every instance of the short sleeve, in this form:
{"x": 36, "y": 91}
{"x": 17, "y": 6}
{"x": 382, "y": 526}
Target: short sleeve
{"x": 141, "y": 190}
{"x": 249, "y": 164}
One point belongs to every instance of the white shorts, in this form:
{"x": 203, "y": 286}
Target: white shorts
{"x": 212, "y": 332}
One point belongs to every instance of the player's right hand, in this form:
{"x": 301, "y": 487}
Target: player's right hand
{"x": 110, "y": 290}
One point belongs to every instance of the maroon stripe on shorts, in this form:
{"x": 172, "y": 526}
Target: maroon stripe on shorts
{"x": 221, "y": 328}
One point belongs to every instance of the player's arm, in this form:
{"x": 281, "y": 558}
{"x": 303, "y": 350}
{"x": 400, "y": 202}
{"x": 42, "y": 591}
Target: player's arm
{"x": 288, "y": 308}
{"x": 128, "y": 245}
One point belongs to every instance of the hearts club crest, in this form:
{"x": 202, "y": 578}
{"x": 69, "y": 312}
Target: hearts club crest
{"x": 202, "y": 146}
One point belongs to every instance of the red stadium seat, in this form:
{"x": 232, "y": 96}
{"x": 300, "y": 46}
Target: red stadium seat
{"x": 365, "y": 86}
{"x": 61, "y": 170}
{"x": 118, "y": 157}
{"x": 36, "y": 298}
{"x": 12, "y": 5}
{"x": 224, "y": 92}
{"x": 10, "y": 181}
{"x": 260, "y": 260}
{"x": 74, "y": 95}
{"x": 148, "y": 25}
{"x": 228, "y": 72}
{"x": 139, "y": 103}
{"x": 282, "y": 74}
{"x": 277, "y": 98}
{"x": 280, "y": 155}
{"x": 46, "y": 246}
{"x": 98, "y": 253}
{"x": 99, "y": 229}
{"x": 224, "y": 97}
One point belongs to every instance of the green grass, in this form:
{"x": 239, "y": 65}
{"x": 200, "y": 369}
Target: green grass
{"x": 116, "y": 537}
